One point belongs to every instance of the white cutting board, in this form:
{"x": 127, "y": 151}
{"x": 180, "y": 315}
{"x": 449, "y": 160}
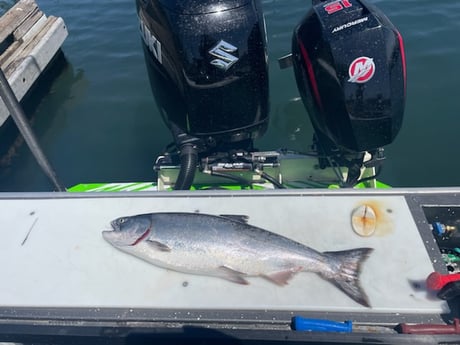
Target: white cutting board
{"x": 53, "y": 255}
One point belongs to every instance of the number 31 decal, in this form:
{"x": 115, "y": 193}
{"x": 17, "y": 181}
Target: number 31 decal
{"x": 337, "y": 6}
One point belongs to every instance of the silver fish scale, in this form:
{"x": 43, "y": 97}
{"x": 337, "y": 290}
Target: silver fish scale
{"x": 236, "y": 245}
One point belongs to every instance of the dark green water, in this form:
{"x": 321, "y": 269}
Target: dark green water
{"x": 98, "y": 121}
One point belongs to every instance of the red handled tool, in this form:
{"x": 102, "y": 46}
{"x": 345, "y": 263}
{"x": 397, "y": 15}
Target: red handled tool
{"x": 430, "y": 328}
{"x": 436, "y": 281}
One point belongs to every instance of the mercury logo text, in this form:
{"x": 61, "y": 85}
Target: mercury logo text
{"x": 350, "y": 24}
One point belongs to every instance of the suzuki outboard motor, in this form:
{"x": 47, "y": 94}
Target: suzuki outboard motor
{"x": 350, "y": 69}
{"x": 207, "y": 65}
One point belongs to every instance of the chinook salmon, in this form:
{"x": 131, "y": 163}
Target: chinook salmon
{"x": 227, "y": 247}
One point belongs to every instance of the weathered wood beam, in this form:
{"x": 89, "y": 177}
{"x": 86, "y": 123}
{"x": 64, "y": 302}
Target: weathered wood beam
{"x": 28, "y": 42}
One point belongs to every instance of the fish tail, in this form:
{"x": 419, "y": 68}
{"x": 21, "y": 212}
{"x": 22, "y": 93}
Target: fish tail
{"x": 346, "y": 272}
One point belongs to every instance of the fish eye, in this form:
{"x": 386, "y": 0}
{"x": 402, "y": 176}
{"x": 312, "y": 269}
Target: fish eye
{"x": 121, "y": 220}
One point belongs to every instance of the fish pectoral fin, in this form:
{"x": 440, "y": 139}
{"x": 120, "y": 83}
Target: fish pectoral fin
{"x": 233, "y": 276}
{"x": 282, "y": 277}
{"x": 158, "y": 246}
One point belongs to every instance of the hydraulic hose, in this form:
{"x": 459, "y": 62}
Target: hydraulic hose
{"x": 188, "y": 163}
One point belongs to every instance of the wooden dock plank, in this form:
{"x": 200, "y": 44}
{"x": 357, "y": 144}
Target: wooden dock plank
{"x": 18, "y": 50}
{"x": 42, "y": 47}
{"x": 32, "y": 40}
{"x": 15, "y": 17}
{"x": 25, "y": 29}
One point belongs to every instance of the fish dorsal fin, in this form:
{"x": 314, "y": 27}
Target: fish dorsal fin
{"x": 236, "y": 217}
{"x": 158, "y": 246}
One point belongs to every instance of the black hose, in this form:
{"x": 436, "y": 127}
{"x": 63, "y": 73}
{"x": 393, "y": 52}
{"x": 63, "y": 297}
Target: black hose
{"x": 188, "y": 163}
{"x": 242, "y": 181}
{"x": 271, "y": 179}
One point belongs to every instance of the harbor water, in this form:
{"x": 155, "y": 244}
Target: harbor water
{"x": 97, "y": 120}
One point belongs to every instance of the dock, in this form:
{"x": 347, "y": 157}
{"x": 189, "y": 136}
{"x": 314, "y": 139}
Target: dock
{"x": 29, "y": 40}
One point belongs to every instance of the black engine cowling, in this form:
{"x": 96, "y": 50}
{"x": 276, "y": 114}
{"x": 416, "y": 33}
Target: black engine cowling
{"x": 207, "y": 64}
{"x": 350, "y": 70}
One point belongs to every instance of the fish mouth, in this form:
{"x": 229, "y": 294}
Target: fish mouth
{"x": 131, "y": 235}
{"x": 108, "y": 235}
{"x": 112, "y": 234}
{"x": 115, "y": 226}
{"x": 114, "y": 237}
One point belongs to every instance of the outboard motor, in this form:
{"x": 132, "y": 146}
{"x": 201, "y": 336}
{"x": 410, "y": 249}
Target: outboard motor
{"x": 350, "y": 69}
{"x": 207, "y": 64}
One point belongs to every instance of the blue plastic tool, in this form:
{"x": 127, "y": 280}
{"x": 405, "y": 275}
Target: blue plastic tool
{"x": 305, "y": 324}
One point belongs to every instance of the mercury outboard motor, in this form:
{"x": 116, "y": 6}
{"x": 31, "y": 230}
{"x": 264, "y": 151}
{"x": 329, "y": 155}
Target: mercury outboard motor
{"x": 207, "y": 65}
{"x": 350, "y": 69}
